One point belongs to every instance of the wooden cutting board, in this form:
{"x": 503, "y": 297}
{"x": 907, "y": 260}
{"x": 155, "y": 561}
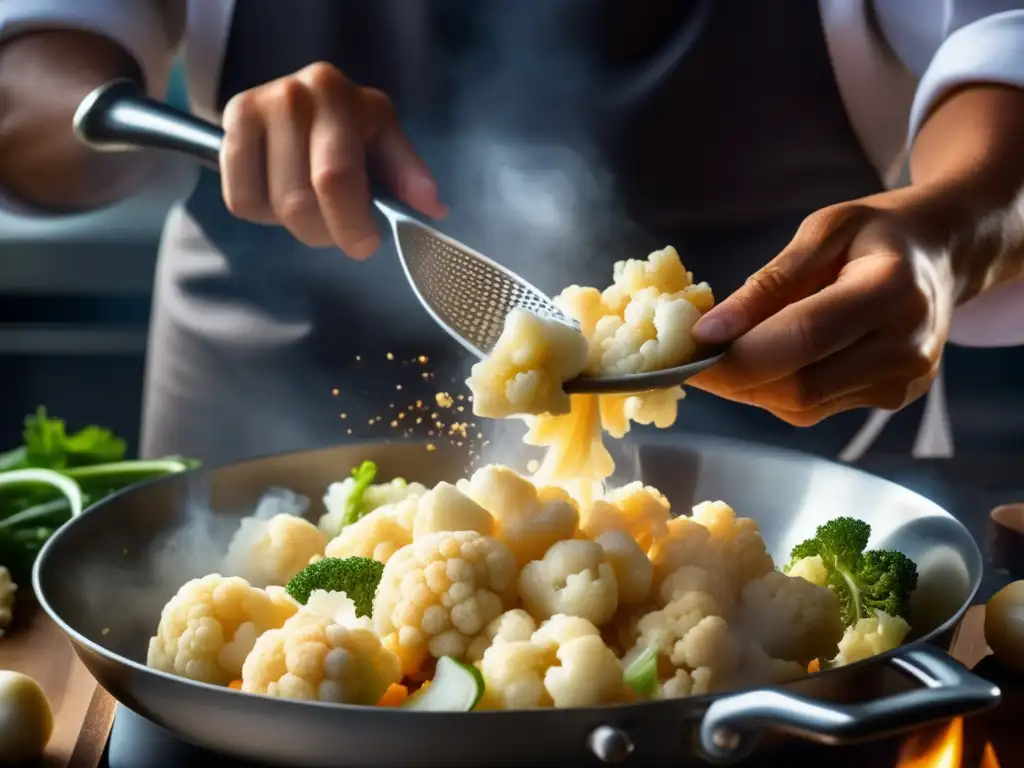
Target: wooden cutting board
{"x": 82, "y": 711}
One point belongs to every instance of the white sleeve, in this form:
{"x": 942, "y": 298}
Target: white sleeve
{"x": 149, "y": 30}
{"x": 947, "y": 44}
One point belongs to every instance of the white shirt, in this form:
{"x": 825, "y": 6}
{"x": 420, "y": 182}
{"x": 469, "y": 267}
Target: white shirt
{"x": 893, "y": 60}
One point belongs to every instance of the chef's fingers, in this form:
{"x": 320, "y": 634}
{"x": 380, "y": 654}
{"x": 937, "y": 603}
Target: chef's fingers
{"x": 243, "y": 168}
{"x": 339, "y": 166}
{"x": 812, "y": 329}
{"x": 289, "y": 118}
{"x": 395, "y": 158}
{"x": 878, "y": 357}
{"x": 807, "y": 263}
{"x": 886, "y": 395}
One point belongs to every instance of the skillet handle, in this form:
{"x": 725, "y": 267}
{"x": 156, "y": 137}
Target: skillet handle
{"x": 119, "y": 117}
{"x": 733, "y": 725}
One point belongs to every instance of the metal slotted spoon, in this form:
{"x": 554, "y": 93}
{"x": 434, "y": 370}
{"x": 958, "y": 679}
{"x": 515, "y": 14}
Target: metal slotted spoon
{"x": 468, "y": 294}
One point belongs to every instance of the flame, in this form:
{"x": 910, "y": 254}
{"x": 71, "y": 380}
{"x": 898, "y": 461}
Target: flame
{"x": 942, "y": 750}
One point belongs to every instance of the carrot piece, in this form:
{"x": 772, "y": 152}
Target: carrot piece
{"x": 393, "y": 696}
{"x": 814, "y": 666}
{"x": 235, "y": 685}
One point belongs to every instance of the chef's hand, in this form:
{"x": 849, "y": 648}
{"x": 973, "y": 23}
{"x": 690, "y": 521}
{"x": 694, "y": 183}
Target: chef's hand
{"x": 296, "y": 150}
{"x": 853, "y": 313}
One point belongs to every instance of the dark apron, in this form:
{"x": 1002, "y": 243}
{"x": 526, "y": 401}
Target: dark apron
{"x": 565, "y": 135}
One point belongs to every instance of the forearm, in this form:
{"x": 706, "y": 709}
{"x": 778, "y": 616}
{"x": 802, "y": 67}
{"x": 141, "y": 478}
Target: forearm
{"x": 43, "y": 78}
{"x": 969, "y": 154}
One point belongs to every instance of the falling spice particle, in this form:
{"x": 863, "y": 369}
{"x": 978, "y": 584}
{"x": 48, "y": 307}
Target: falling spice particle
{"x": 532, "y": 466}
{"x": 342, "y": 416}
{"x": 422, "y": 360}
{"x": 370, "y": 421}
{"x": 394, "y": 422}
{"x": 401, "y": 414}
{"x": 358, "y": 358}
{"x": 460, "y": 409}
{"x": 348, "y": 431}
{"x": 390, "y": 356}
{"x": 398, "y": 386}
{"x": 335, "y": 391}
{"x": 444, "y": 400}
{"x": 431, "y": 447}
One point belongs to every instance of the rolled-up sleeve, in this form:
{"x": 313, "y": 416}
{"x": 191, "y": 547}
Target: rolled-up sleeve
{"x": 948, "y": 44}
{"x": 148, "y": 30}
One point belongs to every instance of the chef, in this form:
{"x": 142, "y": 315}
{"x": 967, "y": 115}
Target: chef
{"x": 847, "y": 174}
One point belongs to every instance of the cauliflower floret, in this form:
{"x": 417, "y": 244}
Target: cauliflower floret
{"x": 438, "y": 593}
{"x": 563, "y": 664}
{"x": 208, "y": 628}
{"x": 314, "y": 658}
{"x": 692, "y": 634}
{"x": 528, "y": 520}
{"x": 792, "y": 619}
{"x": 445, "y": 508}
{"x": 716, "y": 540}
{"x": 659, "y": 407}
{"x": 374, "y": 497}
{"x": 574, "y": 578}
{"x": 690, "y": 578}
{"x": 7, "y": 592}
{"x": 870, "y": 637}
{"x": 525, "y": 370}
{"x": 662, "y": 270}
{"x": 512, "y": 626}
{"x": 639, "y": 510}
{"x": 654, "y": 332}
{"x": 378, "y": 535}
{"x": 810, "y": 569}
{"x": 271, "y": 551}
{"x": 633, "y": 571}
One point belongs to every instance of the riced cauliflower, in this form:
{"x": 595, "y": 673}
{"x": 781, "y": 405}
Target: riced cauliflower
{"x": 208, "y": 628}
{"x": 8, "y": 590}
{"x": 322, "y": 653}
{"x": 565, "y": 663}
{"x": 440, "y": 592}
{"x": 373, "y": 497}
{"x": 528, "y": 520}
{"x": 870, "y": 637}
{"x": 525, "y": 371}
{"x": 265, "y": 552}
{"x": 575, "y": 578}
{"x": 378, "y": 535}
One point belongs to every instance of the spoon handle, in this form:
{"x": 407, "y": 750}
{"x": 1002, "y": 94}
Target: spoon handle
{"x": 119, "y": 117}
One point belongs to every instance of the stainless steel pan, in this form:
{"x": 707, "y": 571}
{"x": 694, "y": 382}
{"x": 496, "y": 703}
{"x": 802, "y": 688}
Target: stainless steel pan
{"x": 99, "y": 580}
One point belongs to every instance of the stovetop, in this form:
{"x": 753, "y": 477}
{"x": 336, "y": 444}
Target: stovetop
{"x": 968, "y": 487}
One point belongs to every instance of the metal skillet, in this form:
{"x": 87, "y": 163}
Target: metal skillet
{"x": 101, "y": 580}
{"x": 466, "y": 293}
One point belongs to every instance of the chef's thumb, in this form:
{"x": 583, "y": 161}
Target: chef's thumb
{"x": 805, "y": 265}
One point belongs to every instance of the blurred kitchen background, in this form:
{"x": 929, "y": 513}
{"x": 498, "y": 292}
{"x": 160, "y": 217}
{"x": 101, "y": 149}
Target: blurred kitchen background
{"x": 75, "y": 299}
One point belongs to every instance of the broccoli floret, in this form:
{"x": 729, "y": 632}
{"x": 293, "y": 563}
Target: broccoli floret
{"x": 355, "y": 505}
{"x": 357, "y": 577}
{"x": 887, "y": 578}
{"x": 863, "y": 581}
